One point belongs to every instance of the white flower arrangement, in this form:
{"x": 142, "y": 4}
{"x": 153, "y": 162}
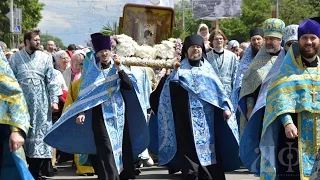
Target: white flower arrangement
{"x": 125, "y": 45}
{"x": 145, "y": 51}
{"x": 160, "y": 55}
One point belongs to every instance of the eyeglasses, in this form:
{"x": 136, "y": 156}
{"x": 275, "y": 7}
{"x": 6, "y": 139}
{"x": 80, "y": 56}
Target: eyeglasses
{"x": 218, "y": 39}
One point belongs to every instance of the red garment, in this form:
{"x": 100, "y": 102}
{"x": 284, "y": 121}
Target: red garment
{"x": 63, "y": 97}
{"x": 69, "y": 53}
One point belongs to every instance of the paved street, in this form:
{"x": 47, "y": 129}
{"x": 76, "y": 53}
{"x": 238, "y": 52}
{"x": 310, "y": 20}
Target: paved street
{"x": 68, "y": 172}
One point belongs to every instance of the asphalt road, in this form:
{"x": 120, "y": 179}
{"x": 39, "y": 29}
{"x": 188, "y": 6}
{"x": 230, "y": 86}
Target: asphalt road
{"x": 66, "y": 171}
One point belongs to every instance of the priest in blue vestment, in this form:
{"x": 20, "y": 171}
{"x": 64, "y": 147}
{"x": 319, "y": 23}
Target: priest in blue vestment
{"x": 194, "y": 118}
{"x": 250, "y": 139}
{"x": 259, "y": 68}
{"x": 256, "y": 41}
{"x": 290, "y": 135}
{"x": 290, "y": 129}
{"x": 14, "y": 125}
{"x": 106, "y": 119}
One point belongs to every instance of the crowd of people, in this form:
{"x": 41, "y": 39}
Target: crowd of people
{"x": 229, "y": 104}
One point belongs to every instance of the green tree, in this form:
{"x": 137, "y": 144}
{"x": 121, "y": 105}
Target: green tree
{"x": 316, "y": 5}
{"x": 191, "y": 24}
{"x": 31, "y": 15}
{"x": 254, "y": 13}
{"x": 46, "y": 37}
{"x": 295, "y": 11}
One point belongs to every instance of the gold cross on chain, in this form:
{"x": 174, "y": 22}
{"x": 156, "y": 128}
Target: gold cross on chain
{"x": 314, "y": 94}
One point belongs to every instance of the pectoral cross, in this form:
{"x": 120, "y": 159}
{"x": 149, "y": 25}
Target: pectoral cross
{"x": 314, "y": 95}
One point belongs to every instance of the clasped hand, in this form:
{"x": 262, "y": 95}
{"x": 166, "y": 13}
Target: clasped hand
{"x": 81, "y": 118}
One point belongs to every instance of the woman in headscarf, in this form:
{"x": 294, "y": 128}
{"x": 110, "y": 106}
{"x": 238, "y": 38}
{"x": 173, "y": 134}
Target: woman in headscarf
{"x": 62, "y": 59}
{"x": 203, "y": 31}
{"x": 73, "y": 72}
{"x": 56, "y": 115}
{"x": 82, "y": 161}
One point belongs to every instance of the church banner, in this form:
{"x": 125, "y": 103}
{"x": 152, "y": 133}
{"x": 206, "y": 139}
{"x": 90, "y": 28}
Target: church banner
{"x": 164, "y": 3}
{"x": 216, "y": 9}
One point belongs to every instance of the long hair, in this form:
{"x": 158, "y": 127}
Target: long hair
{"x": 217, "y": 32}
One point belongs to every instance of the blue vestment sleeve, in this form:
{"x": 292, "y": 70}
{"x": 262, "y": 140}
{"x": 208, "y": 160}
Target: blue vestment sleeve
{"x": 125, "y": 83}
{"x": 286, "y": 119}
{"x": 225, "y": 106}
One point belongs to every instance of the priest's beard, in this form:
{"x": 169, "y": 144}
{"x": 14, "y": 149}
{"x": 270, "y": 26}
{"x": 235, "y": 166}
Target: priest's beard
{"x": 34, "y": 47}
{"x": 255, "y": 49}
{"x": 311, "y": 53}
{"x": 195, "y": 56}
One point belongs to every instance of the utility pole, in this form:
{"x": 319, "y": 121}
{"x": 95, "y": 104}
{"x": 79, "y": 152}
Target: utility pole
{"x": 11, "y": 24}
{"x": 277, "y": 9}
{"x": 182, "y": 4}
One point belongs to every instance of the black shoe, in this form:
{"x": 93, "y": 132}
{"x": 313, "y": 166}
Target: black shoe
{"x": 137, "y": 171}
{"x": 173, "y": 170}
{"x": 55, "y": 169}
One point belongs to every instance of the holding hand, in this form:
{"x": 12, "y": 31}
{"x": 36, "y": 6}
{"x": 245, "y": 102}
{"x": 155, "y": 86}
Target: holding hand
{"x": 80, "y": 119}
{"x": 16, "y": 140}
{"x": 117, "y": 62}
{"x": 55, "y": 107}
{"x": 226, "y": 114}
{"x": 291, "y": 131}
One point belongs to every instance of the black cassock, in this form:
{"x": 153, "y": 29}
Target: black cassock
{"x": 186, "y": 151}
{"x": 104, "y": 163}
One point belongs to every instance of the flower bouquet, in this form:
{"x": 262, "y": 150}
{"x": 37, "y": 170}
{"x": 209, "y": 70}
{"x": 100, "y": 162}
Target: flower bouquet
{"x": 164, "y": 55}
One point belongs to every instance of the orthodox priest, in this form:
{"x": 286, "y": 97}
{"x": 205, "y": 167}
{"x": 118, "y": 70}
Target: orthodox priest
{"x": 250, "y": 139}
{"x": 256, "y": 41}
{"x": 259, "y": 68}
{"x": 110, "y": 119}
{"x": 14, "y": 125}
{"x": 290, "y": 134}
{"x": 35, "y": 74}
{"x": 193, "y": 118}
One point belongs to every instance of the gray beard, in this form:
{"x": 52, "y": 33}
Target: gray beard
{"x": 271, "y": 50}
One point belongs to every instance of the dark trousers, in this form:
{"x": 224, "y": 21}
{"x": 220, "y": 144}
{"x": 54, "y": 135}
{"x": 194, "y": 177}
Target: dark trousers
{"x": 40, "y": 167}
{"x": 288, "y": 169}
{"x": 105, "y": 163}
{"x": 94, "y": 162}
{"x": 1, "y": 150}
{"x": 190, "y": 164}
{"x": 4, "y": 135}
{"x": 127, "y": 155}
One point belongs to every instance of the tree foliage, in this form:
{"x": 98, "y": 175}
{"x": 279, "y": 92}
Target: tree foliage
{"x": 191, "y": 24}
{"x": 46, "y": 37}
{"x": 295, "y": 11}
{"x": 31, "y": 15}
{"x": 254, "y": 13}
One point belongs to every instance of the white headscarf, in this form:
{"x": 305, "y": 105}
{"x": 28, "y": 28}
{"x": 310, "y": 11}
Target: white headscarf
{"x": 201, "y": 26}
{"x": 58, "y": 54}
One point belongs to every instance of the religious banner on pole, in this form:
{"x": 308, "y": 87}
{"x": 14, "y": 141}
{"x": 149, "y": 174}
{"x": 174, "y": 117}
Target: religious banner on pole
{"x": 216, "y": 9}
{"x": 164, "y": 3}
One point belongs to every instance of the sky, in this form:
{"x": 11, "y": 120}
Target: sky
{"x": 74, "y": 20}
